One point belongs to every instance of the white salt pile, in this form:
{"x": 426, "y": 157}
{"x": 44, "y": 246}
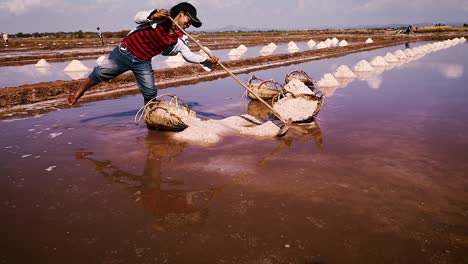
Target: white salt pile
{"x": 379, "y": 61}
{"x": 344, "y": 72}
{"x": 76, "y": 65}
{"x": 234, "y": 57}
{"x": 212, "y": 131}
{"x": 272, "y": 46}
{"x": 463, "y": 39}
{"x": 409, "y": 53}
{"x": 292, "y": 46}
{"x": 363, "y": 66}
{"x": 390, "y": 58}
{"x": 242, "y": 48}
{"x": 297, "y": 109}
{"x": 101, "y": 59}
{"x": 297, "y": 87}
{"x": 343, "y": 43}
{"x": 369, "y": 41}
{"x": 311, "y": 43}
{"x": 400, "y": 55}
{"x": 328, "y": 80}
{"x": 42, "y": 63}
{"x": 176, "y": 58}
{"x": 334, "y": 41}
{"x": 234, "y": 52}
{"x": 266, "y": 50}
{"x": 328, "y": 42}
{"x": 321, "y": 45}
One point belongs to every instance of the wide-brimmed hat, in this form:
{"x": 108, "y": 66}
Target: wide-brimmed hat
{"x": 190, "y": 10}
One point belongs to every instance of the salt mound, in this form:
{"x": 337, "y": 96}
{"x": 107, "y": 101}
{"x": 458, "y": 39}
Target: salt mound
{"x": 212, "y": 131}
{"x": 463, "y": 39}
{"x": 297, "y": 87}
{"x": 334, "y": 41}
{"x": 369, "y": 41}
{"x": 311, "y": 43}
{"x": 321, "y": 45}
{"x": 379, "y": 61}
{"x": 363, "y": 66}
{"x": 266, "y": 50}
{"x": 292, "y": 46}
{"x": 343, "y": 43}
{"x": 400, "y": 55}
{"x": 176, "y": 58}
{"x": 234, "y": 57}
{"x": 272, "y": 46}
{"x": 76, "y": 65}
{"x": 42, "y": 63}
{"x": 297, "y": 109}
{"x": 409, "y": 53}
{"x": 328, "y": 42}
{"x": 242, "y": 47}
{"x": 344, "y": 72}
{"x": 101, "y": 59}
{"x": 234, "y": 52}
{"x": 328, "y": 80}
{"x": 390, "y": 58}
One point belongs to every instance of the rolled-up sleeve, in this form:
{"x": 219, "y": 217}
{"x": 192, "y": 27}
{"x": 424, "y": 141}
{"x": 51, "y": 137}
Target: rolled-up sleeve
{"x": 142, "y": 16}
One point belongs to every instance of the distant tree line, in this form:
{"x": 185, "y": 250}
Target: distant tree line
{"x": 71, "y": 35}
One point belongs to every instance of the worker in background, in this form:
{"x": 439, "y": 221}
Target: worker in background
{"x": 99, "y": 32}
{"x": 5, "y": 39}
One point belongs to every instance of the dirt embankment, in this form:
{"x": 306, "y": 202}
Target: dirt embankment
{"x": 14, "y": 98}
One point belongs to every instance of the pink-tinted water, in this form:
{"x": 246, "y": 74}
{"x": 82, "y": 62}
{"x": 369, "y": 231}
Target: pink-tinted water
{"x": 380, "y": 178}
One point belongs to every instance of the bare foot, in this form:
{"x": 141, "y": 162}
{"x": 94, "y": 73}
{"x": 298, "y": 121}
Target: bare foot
{"x": 71, "y": 100}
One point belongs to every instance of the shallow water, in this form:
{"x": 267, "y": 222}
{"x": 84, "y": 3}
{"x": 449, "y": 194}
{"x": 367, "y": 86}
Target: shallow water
{"x": 12, "y": 76}
{"x": 380, "y": 178}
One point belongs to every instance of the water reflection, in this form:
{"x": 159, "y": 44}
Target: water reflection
{"x": 450, "y": 71}
{"x": 76, "y": 75}
{"x": 172, "y": 203}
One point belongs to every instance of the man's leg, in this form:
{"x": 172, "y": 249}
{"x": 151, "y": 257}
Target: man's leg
{"x": 83, "y": 87}
{"x": 145, "y": 77}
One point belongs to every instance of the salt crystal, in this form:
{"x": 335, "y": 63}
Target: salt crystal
{"x": 328, "y": 80}
{"x": 379, "y": 61}
{"x": 234, "y": 52}
{"x": 311, "y": 43}
{"x": 51, "y": 168}
{"x": 297, "y": 109}
{"x": 344, "y": 72}
{"x": 54, "y": 135}
{"x": 369, "y": 41}
{"x": 400, "y": 55}
{"x": 297, "y": 87}
{"x": 25, "y": 156}
{"x": 42, "y": 63}
{"x": 363, "y": 66}
{"x": 321, "y": 45}
{"x": 390, "y": 58}
{"x": 334, "y": 41}
{"x": 343, "y": 43}
{"x": 76, "y": 65}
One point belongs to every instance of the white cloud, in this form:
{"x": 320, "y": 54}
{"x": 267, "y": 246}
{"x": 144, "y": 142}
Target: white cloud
{"x": 19, "y": 7}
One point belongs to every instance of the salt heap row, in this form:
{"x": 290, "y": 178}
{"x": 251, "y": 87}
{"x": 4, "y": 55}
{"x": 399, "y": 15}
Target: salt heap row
{"x": 363, "y": 70}
{"x": 327, "y": 43}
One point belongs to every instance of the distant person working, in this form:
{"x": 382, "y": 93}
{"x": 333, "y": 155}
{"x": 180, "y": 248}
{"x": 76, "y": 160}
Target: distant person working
{"x": 99, "y": 32}
{"x": 5, "y": 39}
{"x": 155, "y": 34}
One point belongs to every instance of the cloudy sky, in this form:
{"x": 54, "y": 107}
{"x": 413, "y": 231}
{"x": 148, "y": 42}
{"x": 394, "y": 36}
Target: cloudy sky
{"x": 30, "y": 16}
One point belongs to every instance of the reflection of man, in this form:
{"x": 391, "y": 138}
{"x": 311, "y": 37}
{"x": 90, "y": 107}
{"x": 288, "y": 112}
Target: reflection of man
{"x": 99, "y": 32}
{"x": 5, "y": 39}
{"x": 151, "y": 191}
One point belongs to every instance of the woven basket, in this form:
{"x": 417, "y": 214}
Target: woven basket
{"x": 265, "y": 89}
{"x": 299, "y": 75}
{"x": 167, "y": 115}
{"x": 309, "y": 97}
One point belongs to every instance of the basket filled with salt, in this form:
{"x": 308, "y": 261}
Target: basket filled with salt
{"x": 168, "y": 112}
{"x": 298, "y": 102}
{"x": 299, "y": 75}
{"x": 265, "y": 89}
